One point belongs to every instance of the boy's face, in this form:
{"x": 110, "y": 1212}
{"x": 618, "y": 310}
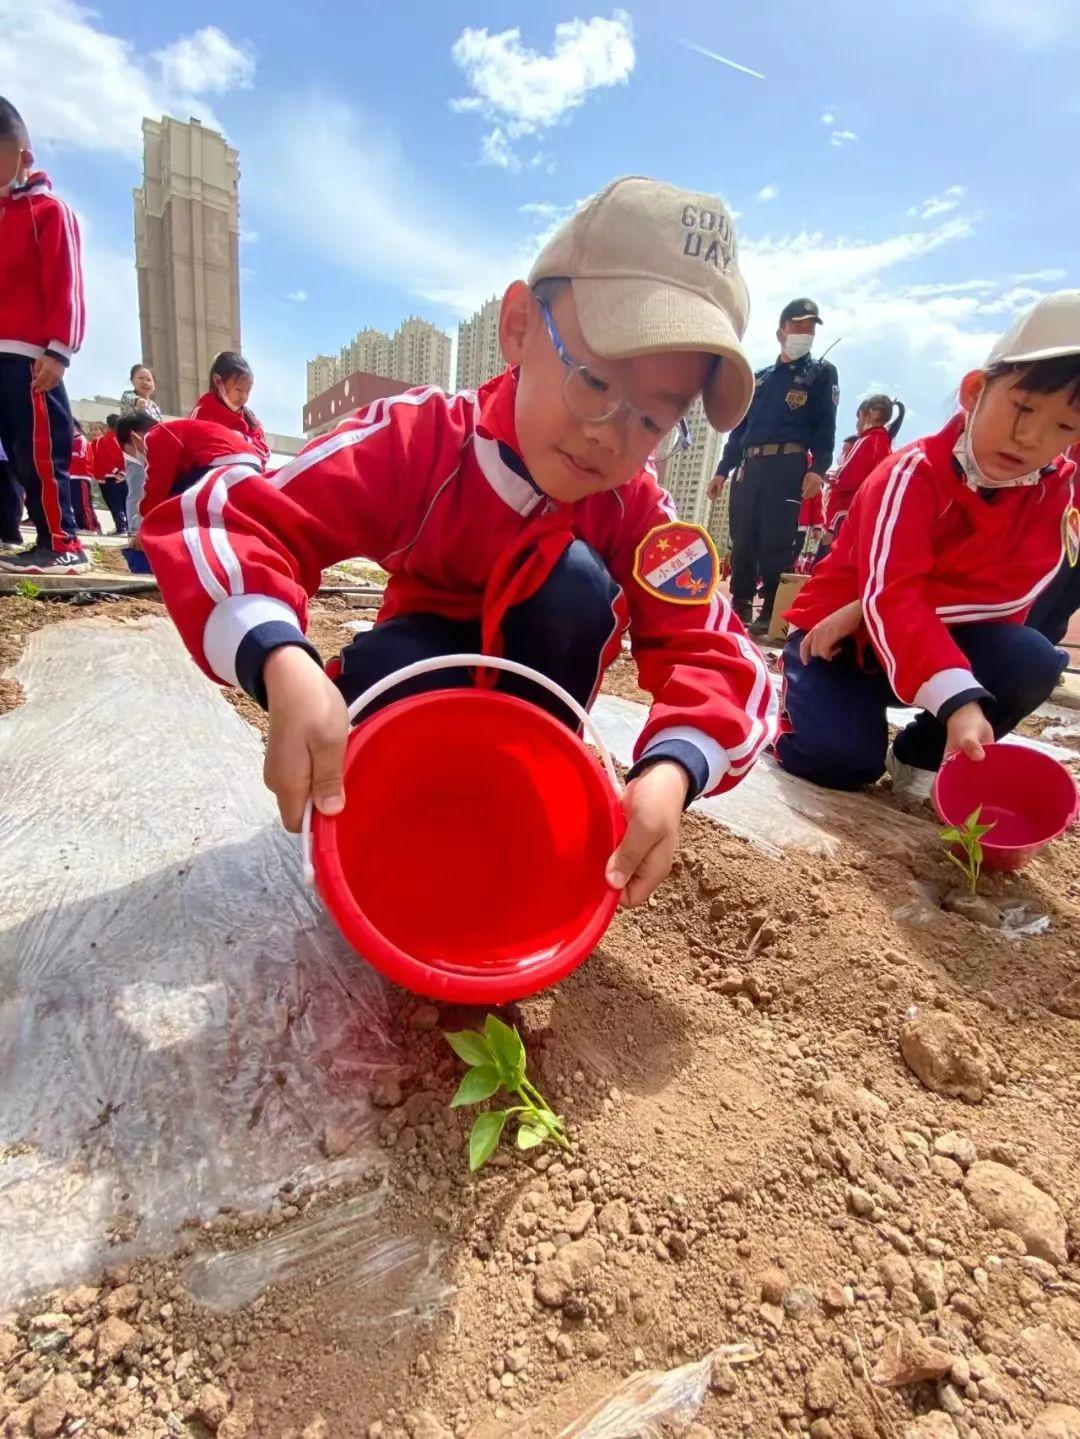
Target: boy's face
{"x": 12, "y": 158}
{"x": 568, "y": 457}
{"x": 1015, "y": 431}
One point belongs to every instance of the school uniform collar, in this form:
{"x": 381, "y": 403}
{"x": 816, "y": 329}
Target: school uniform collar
{"x": 36, "y": 183}
{"x": 496, "y": 446}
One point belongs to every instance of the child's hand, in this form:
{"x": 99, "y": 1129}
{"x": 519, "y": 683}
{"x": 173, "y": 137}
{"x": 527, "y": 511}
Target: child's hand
{"x": 812, "y": 485}
{"x": 968, "y": 729}
{"x": 653, "y": 805}
{"x": 47, "y": 373}
{"x": 823, "y": 641}
{"x": 309, "y": 724}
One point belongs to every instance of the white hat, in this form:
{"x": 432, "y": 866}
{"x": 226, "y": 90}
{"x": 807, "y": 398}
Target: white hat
{"x": 1051, "y": 329}
{"x": 656, "y": 268}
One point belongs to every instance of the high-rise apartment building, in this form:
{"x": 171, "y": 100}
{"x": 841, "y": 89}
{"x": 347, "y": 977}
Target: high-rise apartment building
{"x": 478, "y": 355}
{"x": 322, "y": 373}
{"x": 417, "y": 353}
{"x": 687, "y": 473}
{"x": 187, "y": 256}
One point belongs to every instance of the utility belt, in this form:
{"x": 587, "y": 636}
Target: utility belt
{"x": 753, "y": 451}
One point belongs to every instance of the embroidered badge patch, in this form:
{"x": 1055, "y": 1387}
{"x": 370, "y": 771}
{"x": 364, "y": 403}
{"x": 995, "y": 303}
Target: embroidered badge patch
{"x": 1070, "y": 533}
{"x": 677, "y": 563}
{"x": 795, "y": 399}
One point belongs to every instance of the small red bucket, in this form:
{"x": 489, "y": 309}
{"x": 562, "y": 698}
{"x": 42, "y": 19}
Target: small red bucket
{"x": 1027, "y": 795}
{"x": 468, "y": 863}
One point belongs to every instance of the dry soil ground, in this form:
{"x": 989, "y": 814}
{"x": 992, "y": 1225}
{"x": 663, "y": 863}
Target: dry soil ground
{"x": 799, "y": 1123}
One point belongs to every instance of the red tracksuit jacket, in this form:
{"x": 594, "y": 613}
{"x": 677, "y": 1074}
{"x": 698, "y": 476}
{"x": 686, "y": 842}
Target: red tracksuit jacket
{"x": 41, "y": 289}
{"x": 179, "y": 451}
{"x": 82, "y": 458}
{"x": 924, "y": 551}
{"x": 108, "y": 457}
{"x": 421, "y": 484}
{"x": 856, "y": 463}
{"x": 241, "y": 422}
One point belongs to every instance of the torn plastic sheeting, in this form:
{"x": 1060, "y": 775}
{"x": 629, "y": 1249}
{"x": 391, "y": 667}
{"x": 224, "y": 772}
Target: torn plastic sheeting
{"x": 1019, "y": 920}
{"x": 178, "y": 1020}
{"x": 647, "y": 1406}
{"x": 376, "y": 1276}
{"x": 773, "y": 810}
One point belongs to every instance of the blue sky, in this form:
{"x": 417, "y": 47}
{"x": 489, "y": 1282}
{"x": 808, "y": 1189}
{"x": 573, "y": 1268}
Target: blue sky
{"x": 912, "y": 168}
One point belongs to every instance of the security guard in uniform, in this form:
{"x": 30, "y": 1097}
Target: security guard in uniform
{"x": 791, "y": 423}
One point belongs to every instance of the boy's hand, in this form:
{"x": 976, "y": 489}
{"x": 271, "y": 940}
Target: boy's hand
{"x": 823, "y": 641}
{"x": 309, "y": 724}
{"x": 653, "y": 805}
{"x": 812, "y": 485}
{"x": 968, "y": 729}
{"x": 47, "y": 373}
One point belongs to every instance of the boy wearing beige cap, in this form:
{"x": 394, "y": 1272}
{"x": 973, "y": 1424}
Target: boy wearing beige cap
{"x": 524, "y": 519}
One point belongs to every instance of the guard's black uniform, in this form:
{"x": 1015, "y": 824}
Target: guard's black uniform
{"x": 793, "y": 412}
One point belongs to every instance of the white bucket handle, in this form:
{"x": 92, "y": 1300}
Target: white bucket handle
{"x": 444, "y": 662}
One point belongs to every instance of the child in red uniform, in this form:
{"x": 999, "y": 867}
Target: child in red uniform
{"x": 946, "y": 546}
{"x": 41, "y": 322}
{"x": 81, "y": 476}
{"x": 108, "y": 465}
{"x": 179, "y": 453}
{"x": 226, "y": 401}
{"x": 524, "y": 519}
{"x": 875, "y": 430}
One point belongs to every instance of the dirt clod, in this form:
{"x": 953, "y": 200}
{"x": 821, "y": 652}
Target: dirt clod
{"x": 946, "y": 1055}
{"x": 1008, "y": 1200}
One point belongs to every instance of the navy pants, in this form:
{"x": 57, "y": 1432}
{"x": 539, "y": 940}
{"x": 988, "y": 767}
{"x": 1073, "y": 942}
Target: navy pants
{"x": 765, "y": 503}
{"x": 561, "y": 630}
{"x": 1057, "y": 604}
{"x": 36, "y": 431}
{"x": 835, "y": 711}
{"x": 115, "y": 495}
{"x": 11, "y": 506}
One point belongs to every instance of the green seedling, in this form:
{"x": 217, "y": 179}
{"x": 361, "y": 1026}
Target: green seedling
{"x": 969, "y": 837}
{"x": 496, "y": 1060}
{"x": 27, "y": 589}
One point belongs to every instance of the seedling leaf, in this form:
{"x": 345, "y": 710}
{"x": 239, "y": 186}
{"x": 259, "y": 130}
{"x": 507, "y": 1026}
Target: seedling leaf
{"x": 508, "y": 1050}
{"x": 485, "y": 1136}
{"x": 528, "y": 1137}
{"x": 968, "y": 836}
{"x": 473, "y": 1048}
{"x": 479, "y": 1083}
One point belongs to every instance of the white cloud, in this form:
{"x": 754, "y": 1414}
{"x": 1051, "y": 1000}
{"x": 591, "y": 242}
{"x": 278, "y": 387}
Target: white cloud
{"x": 297, "y": 296}
{"x": 842, "y": 137}
{"x": 828, "y": 118}
{"x": 915, "y": 339}
{"x": 1033, "y": 25}
{"x": 1043, "y": 277}
{"x": 768, "y": 192}
{"x": 360, "y": 208}
{"x": 249, "y": 237}
{"x": 521, "y": 91}
{"x": 207, "y": 62}
{"x": 495, "y": 149}
{"x": 105, "y": 86}
{"x": 939, "y": 204}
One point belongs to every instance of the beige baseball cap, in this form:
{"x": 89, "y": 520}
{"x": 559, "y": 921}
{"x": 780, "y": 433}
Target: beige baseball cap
{"x": 656, "y": 268}
{"x": 1049, "y": 330}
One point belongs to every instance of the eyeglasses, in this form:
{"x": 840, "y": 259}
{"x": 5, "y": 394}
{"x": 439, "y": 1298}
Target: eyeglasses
{"x": 590, "y": 398}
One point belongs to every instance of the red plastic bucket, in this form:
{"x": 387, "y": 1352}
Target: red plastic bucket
{"x": 468, "y": 863}
{"x": 1028, "y": 796}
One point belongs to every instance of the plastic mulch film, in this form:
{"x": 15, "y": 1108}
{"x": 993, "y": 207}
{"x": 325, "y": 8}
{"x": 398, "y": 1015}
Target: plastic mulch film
{"x": 648, "y": 1406}
{"x": 773, "y": 810}
{"x": 373, "y": 1275}
{"x": 179, "y": 1022}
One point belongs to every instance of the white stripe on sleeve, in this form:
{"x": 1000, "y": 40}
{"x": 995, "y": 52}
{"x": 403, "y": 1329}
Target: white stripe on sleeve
{"x": 715, "y": 755}
{"x": 939, "y": 688}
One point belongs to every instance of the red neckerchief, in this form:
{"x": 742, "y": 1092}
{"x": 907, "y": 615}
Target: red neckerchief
{"x": 526, "y": 564}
